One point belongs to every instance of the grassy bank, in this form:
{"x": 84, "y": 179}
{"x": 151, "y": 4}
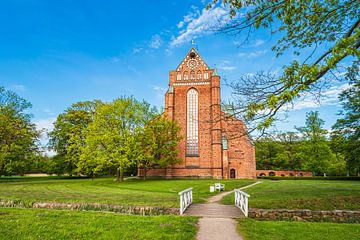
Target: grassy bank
{"x": 107, "y": 191}
{"x": 303, "y": 194}
{"x": 56, "y": 224}
{"x": 272, "y": 230}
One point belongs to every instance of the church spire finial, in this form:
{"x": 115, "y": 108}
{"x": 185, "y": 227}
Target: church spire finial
{"x": 193, "y": 43}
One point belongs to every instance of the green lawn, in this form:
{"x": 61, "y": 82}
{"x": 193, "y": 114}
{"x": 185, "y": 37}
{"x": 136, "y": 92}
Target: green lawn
{"x": 56, "y": 224}
{"x": 272, "y": 230}
{"x": 303, "y": 194}
{"x": 106, "y": 190}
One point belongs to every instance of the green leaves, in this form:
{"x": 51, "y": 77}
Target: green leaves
{"x": 18, "y": 135}
{"x": 322, "y": 33}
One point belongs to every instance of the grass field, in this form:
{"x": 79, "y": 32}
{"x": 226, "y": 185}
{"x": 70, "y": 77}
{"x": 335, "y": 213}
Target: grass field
{"x": 272, "y": 230}
{"x": 106, "y": 190}
{"x": 303, "y": 194}
{"x": 56, "y": 224}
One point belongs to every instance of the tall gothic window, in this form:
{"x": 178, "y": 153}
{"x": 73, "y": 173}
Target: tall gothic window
{"x": 192, "y": 123}
{"x": 192, "y": 75}
{"x": 185, "y": 76}
{"x": 178, "y": 76}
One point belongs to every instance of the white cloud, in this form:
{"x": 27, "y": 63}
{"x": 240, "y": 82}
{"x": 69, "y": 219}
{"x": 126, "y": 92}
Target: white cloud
{"x": 198, "y": 23}
{"x": 17, "y": 88}
{"x": 254, "y": 54}
{"x": 328, "y": 98}
{"x": 45, "y": 125}
{"x": 155, "y": 41}
{"x": 258, "y": 42}
{"x": 226, "y": 65}
{"x": 137, "y": 50}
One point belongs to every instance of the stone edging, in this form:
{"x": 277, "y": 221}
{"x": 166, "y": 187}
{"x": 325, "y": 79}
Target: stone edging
{"x": 124, "y": 209}
{"x": 305, "y": 215}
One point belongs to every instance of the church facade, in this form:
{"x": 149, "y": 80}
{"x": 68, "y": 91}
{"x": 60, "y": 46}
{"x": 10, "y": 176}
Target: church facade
{"x": 214, "y": 143}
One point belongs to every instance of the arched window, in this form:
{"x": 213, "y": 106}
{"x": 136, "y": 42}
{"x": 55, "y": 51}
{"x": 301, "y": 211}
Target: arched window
{"x": 224, "y": 142}
{"x": 178, "y": 76}
{"x": 206, "y": 75}
{"x": 272, "y": 174}
{"x": 192, "y": 123}
{"x": 199, "y": 75}
{"x": 185, "y": 76}
{"x": 192, "y": 75}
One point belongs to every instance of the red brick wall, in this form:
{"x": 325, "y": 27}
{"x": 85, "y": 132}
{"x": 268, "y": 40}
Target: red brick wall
{"x": 212, "y": 161}
{"x": 286, "y": 173}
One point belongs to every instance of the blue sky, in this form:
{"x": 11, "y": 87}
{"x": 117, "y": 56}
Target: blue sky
{"x": 55, "y": 53}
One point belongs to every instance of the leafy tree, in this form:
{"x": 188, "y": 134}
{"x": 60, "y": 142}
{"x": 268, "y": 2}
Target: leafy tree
{"x": 325, "y": 33}
{"x": 18, "y": 135}
{"x": 110, "y": 137}
{"x": 314, "y": 150}
{"x": 156, "y": 143}
{"x": 346, "y": 131}
{"x": 278, "y": 152}
{"x": 68, "y": 135}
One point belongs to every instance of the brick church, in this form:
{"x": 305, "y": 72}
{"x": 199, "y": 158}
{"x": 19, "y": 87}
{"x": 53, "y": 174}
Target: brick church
{"x": 214, "y": 144}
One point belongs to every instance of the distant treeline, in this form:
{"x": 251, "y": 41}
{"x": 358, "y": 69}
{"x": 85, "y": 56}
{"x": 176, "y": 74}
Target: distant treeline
{"x": 309, "y": 148}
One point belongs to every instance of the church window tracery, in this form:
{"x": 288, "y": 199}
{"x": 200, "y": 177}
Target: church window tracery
{"x": 192, "y": 123}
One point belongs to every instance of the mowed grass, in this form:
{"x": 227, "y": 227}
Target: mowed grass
{"x": 106, "y": 190}
{"x": 56, "y": 224}
{"x": 274, "y": 230}
{"x": 303, "y": 194}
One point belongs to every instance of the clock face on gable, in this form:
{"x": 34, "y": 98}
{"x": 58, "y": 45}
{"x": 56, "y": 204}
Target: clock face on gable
{"x": 192, "y": 63}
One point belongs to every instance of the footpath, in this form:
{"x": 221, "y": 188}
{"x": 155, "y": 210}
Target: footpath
{"x": 217, "y": 221}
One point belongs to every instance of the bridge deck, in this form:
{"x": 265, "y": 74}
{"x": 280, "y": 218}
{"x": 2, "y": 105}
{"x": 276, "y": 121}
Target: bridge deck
{"x": 214, "y": 210}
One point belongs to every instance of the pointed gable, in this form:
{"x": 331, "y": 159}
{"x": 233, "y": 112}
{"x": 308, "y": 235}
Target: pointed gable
{"x": 193, "y": 68}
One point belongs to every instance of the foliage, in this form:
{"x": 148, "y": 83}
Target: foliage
{"x": 156, "y": 143}
{"x": 346, "y": 134}
{"x": 328, "y": 31}
{"x": 39, "y": 224}
{"x": 68, "y": 135}
{"x": 315, "y": 150}
{"x": 18, "y": 135}
{"x": 110, "y": 137}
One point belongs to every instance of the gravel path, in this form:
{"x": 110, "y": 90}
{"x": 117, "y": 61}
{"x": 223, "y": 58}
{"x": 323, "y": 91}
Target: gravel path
{"x": 217, "y": 228}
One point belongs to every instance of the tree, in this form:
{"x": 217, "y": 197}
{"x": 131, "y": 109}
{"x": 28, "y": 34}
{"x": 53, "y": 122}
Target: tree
{"x": 314, "y": 150}
{"x": 18, "y": 135}
{"x": 68, "y": 136}
{"x": 327, "y": 31}
{"x": 346, "y": 131}
{"x": 110, "y": 137}
{"x": 156, "y": 143}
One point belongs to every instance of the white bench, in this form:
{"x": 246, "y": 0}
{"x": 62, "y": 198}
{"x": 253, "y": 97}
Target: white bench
{"x": 219, "y": 186}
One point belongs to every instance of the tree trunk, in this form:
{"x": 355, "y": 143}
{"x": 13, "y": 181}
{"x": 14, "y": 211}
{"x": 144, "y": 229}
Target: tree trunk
{"x": 145, "y": 172}
{"x": 121, "y": 174}
{"x": 118, "y": 175}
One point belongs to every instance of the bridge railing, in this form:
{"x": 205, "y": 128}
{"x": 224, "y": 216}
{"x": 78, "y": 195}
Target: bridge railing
{"x": 186, "y": 199}
{"x": 241, "y": 201}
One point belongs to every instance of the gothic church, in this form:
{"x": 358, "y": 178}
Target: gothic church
{"x": 208, "y": 148}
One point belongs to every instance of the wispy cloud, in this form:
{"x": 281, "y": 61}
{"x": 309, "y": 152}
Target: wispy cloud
{"x": 327, "y": 98}
{"x": 226, "y": 65}
{"x": 137, "y": 50}
{"x": 155, "y": 42}
{"x": 198, "y": 23}
{"x": 258, "y": 42}
{"x": 253, "y": 54}
{"x": 45, "y": 125}
{"x": 17, "y": 88}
